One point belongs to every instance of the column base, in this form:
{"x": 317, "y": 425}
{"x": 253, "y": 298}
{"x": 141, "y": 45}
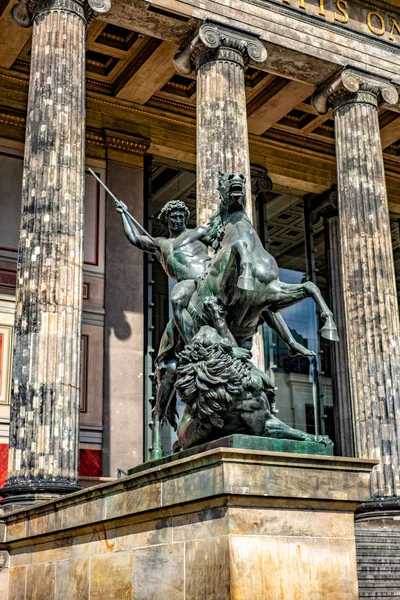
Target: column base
{"x": 378, "y": 508}
{"x": 27, "y": 493}
{"x": 377, "y": 531}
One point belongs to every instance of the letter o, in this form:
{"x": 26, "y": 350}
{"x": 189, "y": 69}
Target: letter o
{"x": 373, "y": 29}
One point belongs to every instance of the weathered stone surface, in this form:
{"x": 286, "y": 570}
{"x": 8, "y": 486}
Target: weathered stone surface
{"x": 145, "y": 534}
{"x": 158, "y": 572}
{"x": 370, "y": 297}
{"x": 96, "y": 542}
{"x": 17, "y": 583}
{"x": 43, "y": 453}
{"x": 52, "y": 551}
{"x": 192, "y": 486}
{"x": 220, "y": 55}
{"x": 140, "y": 498}
{"x": 111, "y": 576}
{"x": 200, "y": 524}
{"x": 292, "y": 568}
{"x": 294, "y": 523}
{"x": 40, "y": 581}
{"x": 207, "y": 569}
{"x": 233, "y": 536}
{"x": 72, "y": 579}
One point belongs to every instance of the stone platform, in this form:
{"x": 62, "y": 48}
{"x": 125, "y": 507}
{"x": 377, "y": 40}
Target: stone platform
{"x": 224, "y": 524}
{"x": 242, "y": 442}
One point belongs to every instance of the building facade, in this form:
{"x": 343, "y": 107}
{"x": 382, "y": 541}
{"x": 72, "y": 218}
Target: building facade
{"x": 301, "y": 96}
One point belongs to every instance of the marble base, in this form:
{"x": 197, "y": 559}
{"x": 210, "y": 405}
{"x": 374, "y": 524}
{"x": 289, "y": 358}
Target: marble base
{"x": 225, "y": 524}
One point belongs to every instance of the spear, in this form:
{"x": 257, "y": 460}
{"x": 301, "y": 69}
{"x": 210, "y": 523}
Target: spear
{"x": 119, "y": 203}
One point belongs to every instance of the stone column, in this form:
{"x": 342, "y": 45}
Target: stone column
{"x": 44, "y": 422}
{"x": 220, "y": 55}
{"x": 370, "y": 298}
{"x": 326, "y": 208}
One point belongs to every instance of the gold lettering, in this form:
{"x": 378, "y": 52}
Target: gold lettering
{"x": 287, "y": 1}
{"x": 321, "y": 8}
{"x": 342, "y": 5}
{"x": 371, "y": 27}
{"x": 302, "y": 5}
{"x": 394, "y": 25}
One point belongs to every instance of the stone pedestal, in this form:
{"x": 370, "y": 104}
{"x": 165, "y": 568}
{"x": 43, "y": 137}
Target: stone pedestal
{"x": 370, "y": 298}
{"x": 225, "y": 524}
{"x": 220, "y": 55}
{"x": 44, "y": 422}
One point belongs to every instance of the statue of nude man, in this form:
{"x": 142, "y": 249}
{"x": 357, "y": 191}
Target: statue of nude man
{"x": 184, "y": 257}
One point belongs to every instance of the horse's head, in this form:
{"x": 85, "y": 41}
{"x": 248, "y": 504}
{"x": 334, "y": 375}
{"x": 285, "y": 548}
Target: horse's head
{"x": 232, "y": 189}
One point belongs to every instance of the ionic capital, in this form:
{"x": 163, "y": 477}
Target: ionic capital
{"x": 325, "y": 206}
{"x": 260, "y": 180}
{"x": 25, "y": 12}
{"x": 217, "y": 42}
{"x": 353, "y": 86}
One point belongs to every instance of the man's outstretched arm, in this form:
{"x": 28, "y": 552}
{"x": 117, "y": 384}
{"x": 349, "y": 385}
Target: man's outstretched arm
{"x": 132, "y": 233}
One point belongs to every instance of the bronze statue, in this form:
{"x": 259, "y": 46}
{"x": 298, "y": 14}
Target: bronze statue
{"x": 243, "y": 275}
{"x": 224, "y": 392}
{"x": 218, "y": 304}
{"x": 183, "y": 257}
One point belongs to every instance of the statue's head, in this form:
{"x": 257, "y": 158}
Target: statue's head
{"x": 175, "y": 215}
{"x": 232, "y": 189}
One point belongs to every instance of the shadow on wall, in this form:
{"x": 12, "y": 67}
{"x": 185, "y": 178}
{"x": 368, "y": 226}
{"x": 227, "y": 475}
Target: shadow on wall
{"x": 123, "y": 326}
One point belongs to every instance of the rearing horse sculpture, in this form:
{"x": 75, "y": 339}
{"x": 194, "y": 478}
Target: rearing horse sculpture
{"x": 244, "y": 276}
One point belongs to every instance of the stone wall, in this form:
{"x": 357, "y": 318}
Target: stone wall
{"x": 224, "y": 524}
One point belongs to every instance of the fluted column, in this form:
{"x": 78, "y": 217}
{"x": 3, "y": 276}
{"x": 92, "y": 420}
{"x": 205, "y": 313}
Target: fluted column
{"x": 220, "y": 55}
{"x": 44, "y": 422}
{"x": 370, "y": 299}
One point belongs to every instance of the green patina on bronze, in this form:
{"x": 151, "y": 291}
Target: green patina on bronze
{"x": 218, "y": 304}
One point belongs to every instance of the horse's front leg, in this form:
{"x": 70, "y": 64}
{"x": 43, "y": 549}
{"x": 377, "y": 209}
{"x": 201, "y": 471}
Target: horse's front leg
{"x": 276, "y": 322}
{"x": 245, "y": 280}
{"x": 282, "y": 295}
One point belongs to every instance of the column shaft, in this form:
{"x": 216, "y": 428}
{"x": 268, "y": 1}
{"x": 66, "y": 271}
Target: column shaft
{"x": 220, "y": 55}
{"x": 44, "y": 424}
{"x": 222, "y": 138}
{"x": 370, "y": 297}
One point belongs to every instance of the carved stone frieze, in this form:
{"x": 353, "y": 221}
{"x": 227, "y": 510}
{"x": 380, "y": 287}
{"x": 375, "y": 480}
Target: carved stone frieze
{"x": 26, "y": 11}
{"x": 217, "y": 42}
{"x": 352, "y": 86}
{"x": 126, "y": 143}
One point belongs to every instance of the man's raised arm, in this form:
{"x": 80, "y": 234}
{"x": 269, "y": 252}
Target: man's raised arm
{"x": 142, "y": 242}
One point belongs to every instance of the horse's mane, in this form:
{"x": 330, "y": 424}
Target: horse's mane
{"x": 216, "y": 230}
